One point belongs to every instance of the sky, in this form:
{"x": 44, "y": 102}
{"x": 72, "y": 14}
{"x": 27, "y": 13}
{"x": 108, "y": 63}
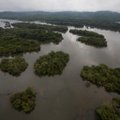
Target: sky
{"x": 59, "y": 5}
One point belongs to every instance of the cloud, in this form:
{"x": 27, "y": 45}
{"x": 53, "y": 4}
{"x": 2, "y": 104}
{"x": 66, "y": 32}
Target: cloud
{"x": 59, "y": 5}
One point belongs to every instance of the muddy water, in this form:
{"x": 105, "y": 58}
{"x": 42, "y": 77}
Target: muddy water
{"x": 63, "y": 97}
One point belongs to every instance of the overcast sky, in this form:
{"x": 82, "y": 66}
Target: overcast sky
{"x": 59, "y": 5}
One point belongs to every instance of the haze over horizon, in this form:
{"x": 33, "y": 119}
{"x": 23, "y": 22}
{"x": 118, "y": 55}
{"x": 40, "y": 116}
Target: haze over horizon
{"x": 60, "y": 5}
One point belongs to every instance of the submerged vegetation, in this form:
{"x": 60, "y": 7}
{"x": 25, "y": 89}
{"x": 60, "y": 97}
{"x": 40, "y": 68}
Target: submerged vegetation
{"x": 90, "y": 38}
{"x": 24, "y": 101}
{"x": 110, "y": 111}
{"x": 14, "y": 66}
{"x": 51, "y": 64}
{"x": 102, "y": 75}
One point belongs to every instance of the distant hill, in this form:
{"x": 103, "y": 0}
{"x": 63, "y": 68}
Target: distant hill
{"x": 41, "y": 15}
{"x": 102, "y": 19}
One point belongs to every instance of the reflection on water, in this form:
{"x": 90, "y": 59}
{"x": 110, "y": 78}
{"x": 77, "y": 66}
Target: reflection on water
{"x": 64, "y": 97}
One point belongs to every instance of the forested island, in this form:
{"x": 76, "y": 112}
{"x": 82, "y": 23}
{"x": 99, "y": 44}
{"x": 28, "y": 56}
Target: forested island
{"x": 51, "y": 64}
{"x": 86, "y": 33}
{"x": 102, "y": 75}
{"x": 54, "y": 28}
{"x": 14, "y": 66}
{"x": 93, "y": 41}
{"x": 24, "y": 101}
{"x": 23, "y": 39}
{"x": 110, "y": 111}
{"x": 90, "y": 38}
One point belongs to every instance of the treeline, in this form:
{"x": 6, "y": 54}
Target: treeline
{"x": 51, "y": 64}
{"x": 102, "y": 75}
{"x": 86, "y": 33}
{"x": 101, "y": 24}
{"x": 90, "y": 38}
{"x": 41, "y": 27}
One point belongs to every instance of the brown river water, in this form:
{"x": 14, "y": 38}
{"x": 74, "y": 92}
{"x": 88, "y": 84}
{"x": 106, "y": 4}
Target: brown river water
{"x": 64, "y": 97}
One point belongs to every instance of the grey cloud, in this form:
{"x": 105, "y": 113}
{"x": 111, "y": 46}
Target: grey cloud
{"x": 59, "y": 5}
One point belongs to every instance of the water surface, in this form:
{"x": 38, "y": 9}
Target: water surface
{"x": 63, "y": 97}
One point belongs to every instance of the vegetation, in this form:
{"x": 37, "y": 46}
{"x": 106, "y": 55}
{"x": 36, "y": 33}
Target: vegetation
{"x": 94, "y": 41}
{"x": 41, "y": 36}
{"x": 20, "y": 40}
{"x": 10, "y": 45}
{"x": 51, "y": 64}
{"x": 101, "y": 75}
{"x": 90, "y": 38}
{"x": 86, "y": 33}
{"x": 14, "y": 66}
{"x": 101, "y": 19}
{"x": 110, "y": 111}
{"x": 41, "y": 27}
{"x": 24, "y": 101}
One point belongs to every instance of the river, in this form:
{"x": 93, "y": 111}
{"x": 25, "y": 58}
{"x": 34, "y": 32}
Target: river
{"x": 64, "y": 97}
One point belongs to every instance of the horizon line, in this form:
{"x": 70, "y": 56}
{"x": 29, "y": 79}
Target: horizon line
{"x": 58, "y": 11}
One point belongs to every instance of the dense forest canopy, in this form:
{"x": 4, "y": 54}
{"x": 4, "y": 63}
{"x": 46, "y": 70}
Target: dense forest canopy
{"x": 93, "y": 41}
{"x": 26, "y": 37}
{"x": 11, "y": 45}
{"x": 14, "y": 66}
{"x": 86, "y": 33}
{"x": 90, "y": 38}
{"x": 41, "y": 27}
{"x": 24, "y": 101}
{"x": 102, "y": 75}
{"x": 51, "y": 64}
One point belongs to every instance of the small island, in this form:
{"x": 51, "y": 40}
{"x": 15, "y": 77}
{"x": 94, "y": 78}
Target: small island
{"x": 86, "y": 33}
{"x": 51, "y": 64}
{"x": 14, "y": 66}
{"x": 110, "y": 111}
{"x": 93, "y": 41}
{"x": 24, "y": 101}
{"x": 90, "y": 38}
{"x": 102, "y": 75}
